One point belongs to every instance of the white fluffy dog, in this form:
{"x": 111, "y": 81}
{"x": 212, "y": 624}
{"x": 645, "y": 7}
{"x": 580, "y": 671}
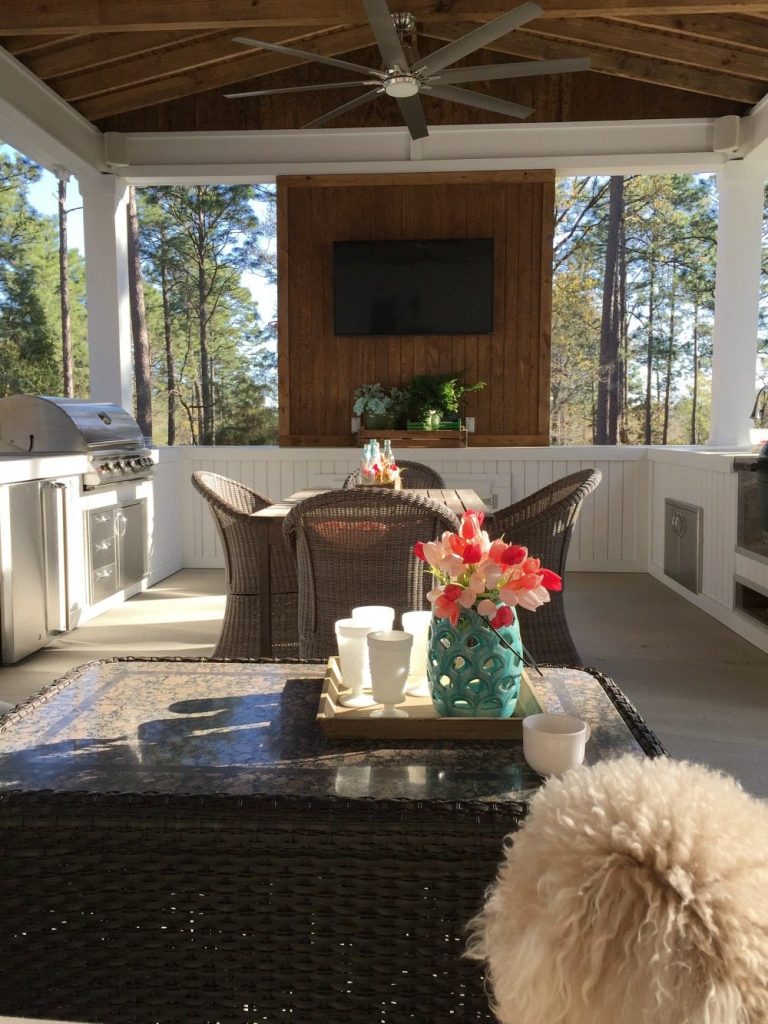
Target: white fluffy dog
{"x": 635, "y": 893}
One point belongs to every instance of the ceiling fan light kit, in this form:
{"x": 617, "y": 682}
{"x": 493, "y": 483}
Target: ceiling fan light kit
{"x": 405, "y": 80}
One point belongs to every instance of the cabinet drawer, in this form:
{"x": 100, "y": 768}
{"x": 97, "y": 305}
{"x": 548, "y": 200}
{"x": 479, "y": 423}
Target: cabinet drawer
{"x": 101, "y": 525}
{"x": 102, "y": 551}
{"x": 103, "y": 582}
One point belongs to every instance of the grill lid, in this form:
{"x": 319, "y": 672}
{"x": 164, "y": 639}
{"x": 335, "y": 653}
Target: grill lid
{"x": 41, "y": 424}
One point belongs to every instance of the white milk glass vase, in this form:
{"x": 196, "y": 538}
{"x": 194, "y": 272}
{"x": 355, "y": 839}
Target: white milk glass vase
{"x": 352, "y": 638}
{"x": 390, "y": 655}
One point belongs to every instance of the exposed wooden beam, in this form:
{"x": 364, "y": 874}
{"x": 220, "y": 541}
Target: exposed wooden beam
{"x": 187, "y": 56}
{"x": 95, "y": 51}
{"x": 677, "y": 76}
{"x": 647, "y": 42}
{"x": 215, "y": 76}
{"x": 751, "y": 33}
{"x": 20, "y": 45}
{"x": 97, "y": 16}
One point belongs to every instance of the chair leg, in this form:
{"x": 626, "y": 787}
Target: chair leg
{"x": 240, "y": 636}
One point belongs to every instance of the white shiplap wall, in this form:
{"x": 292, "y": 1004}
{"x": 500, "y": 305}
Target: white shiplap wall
{"x": 612, "y": 535}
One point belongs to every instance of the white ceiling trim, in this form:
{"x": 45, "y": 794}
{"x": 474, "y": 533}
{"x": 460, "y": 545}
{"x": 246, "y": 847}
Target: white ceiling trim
{"x": 616, "y": 147}
{"x": 38, "y": 123}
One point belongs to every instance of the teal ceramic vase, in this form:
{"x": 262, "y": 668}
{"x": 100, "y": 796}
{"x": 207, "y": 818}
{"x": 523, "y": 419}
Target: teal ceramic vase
{"x": 472, "y": 669}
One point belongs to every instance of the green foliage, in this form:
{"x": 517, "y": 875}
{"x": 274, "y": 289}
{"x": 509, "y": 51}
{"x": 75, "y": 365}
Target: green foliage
{"x": 373, "y": 399}
{"x": 212, "y": 357}
{"x": 436, "y": 393}
{"x": 667, "y": 262}
{"x": 30, "y": 315}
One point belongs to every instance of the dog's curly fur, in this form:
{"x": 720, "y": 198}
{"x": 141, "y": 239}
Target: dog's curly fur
{"x": 635, "y": 893}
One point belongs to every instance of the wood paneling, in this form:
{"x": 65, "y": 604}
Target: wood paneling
{"x": 319, "y": 371}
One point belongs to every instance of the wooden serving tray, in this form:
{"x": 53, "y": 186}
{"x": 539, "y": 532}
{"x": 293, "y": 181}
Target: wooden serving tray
{"x": 422, "y": 722}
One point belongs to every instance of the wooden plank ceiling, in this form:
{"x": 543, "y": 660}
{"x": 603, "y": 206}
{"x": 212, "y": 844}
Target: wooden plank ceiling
{"x": 161, "y": 65}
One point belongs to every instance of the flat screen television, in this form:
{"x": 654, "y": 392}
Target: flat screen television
{"x": 413, "y": 286}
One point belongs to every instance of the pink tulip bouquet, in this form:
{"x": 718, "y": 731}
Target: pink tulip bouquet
{"x": 491, "y": 577}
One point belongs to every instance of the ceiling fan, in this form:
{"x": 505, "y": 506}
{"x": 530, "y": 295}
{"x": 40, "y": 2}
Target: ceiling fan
{"x": 407, "y": 76}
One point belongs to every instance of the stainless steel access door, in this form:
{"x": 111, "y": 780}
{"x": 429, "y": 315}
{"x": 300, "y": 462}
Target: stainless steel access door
{"x": 35, "y": 603}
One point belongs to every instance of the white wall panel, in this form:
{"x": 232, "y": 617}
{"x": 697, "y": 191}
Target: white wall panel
{"x": 608, "y": 537}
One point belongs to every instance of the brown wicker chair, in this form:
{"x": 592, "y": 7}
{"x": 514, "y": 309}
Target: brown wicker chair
{"x": 355, "y": 547}
{"x": 416, "y": 476}
{"x": 231, "y": 504}
{"x": 543, "y": 522}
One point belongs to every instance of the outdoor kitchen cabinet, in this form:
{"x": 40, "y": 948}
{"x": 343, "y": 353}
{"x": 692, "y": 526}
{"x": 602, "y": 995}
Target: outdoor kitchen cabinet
{"x": 117, "y": 546}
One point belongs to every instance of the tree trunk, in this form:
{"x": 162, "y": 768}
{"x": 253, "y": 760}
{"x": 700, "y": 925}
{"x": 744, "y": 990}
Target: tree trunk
{"x": 141, "y": 365}
{"x": 695, "y": 392}
{"x": 66, "y": 323}
{"x": 647, "y": 433}
{"x": 609, "y": 388}
{"x": 170, "y": 366}
{"x": 670, "y": 353}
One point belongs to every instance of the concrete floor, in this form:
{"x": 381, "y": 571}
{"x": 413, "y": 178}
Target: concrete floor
{"x": 701, "y": 687}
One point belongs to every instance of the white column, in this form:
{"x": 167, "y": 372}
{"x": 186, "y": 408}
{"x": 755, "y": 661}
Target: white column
{"x": 737, "y": 294}
{"x": 106, "y": 269}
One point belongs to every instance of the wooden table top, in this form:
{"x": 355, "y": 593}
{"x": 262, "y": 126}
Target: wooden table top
{"x": 457, "y": 499}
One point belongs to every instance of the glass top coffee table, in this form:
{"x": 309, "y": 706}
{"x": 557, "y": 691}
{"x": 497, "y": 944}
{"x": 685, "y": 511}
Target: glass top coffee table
{"x": 181, "y": 842}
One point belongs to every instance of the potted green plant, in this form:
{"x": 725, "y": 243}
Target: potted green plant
{"x": 434, "y": 398}
{"x": 373, "y": 403}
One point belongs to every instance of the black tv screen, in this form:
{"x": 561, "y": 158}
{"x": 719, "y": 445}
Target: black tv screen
{"x": 437, "y": 286}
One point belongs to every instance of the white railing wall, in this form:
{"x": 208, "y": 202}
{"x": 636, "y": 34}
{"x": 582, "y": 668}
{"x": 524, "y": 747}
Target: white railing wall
{"x": 612, "y": 535}
{"x": 621, "y": 528}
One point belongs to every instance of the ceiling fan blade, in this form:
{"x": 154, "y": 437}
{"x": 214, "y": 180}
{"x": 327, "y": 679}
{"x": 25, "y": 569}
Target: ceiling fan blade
{"x": 478, "y": 99}
{"x": 298, "y": 88}
{"x": 525, "y": 69}
{"x": 338, "y": 111}
{"x": 306, "y": 55}
{"x": 413, "y": 115}
{"x": 385, "y": 34}
{"x": 478, "y": 38}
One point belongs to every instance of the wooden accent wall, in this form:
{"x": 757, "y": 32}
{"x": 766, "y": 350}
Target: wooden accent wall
{"x": 319, "y": 372}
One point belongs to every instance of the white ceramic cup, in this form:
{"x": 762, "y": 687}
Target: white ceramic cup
{"x": 389, "y": 653}
{"x": 352, "y": 638}
{"x": 417, "y": 624}
{"x": 554, "y": 743}
{"x": 379, "y": 616}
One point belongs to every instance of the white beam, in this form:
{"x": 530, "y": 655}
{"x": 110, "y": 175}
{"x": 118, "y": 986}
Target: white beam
{"x": 38, "y": 123}
{"x": 737, "y": 297}
{"x": 106, "y": 266}
{"x": 617, "y": 147}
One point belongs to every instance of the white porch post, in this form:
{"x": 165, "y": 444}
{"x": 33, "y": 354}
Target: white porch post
{"x": 737, "y": 293}
{"x": 106, "y": 265}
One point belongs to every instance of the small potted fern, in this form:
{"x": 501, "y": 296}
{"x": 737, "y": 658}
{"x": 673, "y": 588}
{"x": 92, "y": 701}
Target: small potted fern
{"x": 433, "y": 399}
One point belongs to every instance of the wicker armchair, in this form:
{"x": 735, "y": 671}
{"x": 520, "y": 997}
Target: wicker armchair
{"x": 543, "y": 522}
{"x": 231, "y": 504}
{"x": 416, "y": 476}
{"x": 355, "y": 547}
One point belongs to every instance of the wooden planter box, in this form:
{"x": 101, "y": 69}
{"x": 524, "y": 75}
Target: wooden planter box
{"x": 417, "y": 438}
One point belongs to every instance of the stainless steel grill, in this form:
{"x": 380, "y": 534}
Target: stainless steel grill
{"x": 108, "y": 435}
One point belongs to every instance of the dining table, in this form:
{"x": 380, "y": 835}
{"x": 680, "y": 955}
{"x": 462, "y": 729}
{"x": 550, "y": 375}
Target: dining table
{"x": 181, "y": 842}
{"x": 270, "y": 532}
